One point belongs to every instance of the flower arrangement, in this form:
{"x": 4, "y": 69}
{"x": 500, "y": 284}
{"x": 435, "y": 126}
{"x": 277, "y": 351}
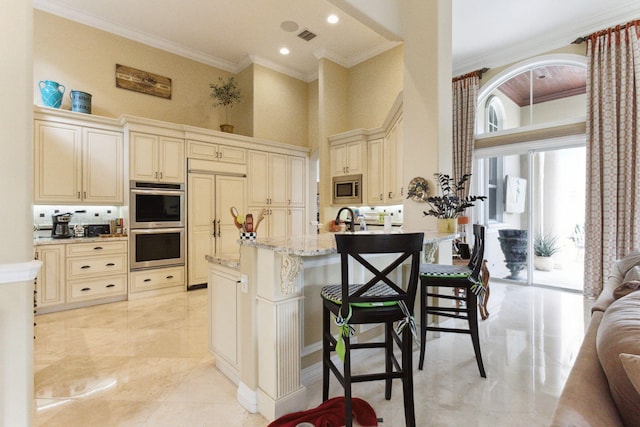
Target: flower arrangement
{"x": 451, "y": 203}
{"x": 225, "y": 94}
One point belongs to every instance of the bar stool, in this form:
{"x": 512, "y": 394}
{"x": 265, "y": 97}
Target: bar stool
{"x": 464, "y": 284}
{"x": 383, "y": 299}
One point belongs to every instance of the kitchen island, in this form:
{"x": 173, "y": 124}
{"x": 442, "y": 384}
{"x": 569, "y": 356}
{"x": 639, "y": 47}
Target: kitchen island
{"x": 270, "y": 343}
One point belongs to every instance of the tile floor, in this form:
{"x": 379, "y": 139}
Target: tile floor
{"x": 145, "y": 363}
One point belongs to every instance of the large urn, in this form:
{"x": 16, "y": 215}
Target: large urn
{"x": 514, "y": 247}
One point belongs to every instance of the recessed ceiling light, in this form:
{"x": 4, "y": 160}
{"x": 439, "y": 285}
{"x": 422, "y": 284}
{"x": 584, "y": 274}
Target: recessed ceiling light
{"x": 289, "y": 26}
{"x": 284, "y": 51}
{"x": 333, "y": 19}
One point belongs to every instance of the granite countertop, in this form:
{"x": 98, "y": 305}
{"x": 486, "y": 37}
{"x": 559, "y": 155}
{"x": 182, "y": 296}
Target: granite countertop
{"x": 321, "y": 244}
{"x": 225, "y": 262}
{"x": 40, "y": 241}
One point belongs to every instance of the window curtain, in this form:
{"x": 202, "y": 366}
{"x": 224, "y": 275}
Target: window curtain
{"x": 613, "y": 151}
{"x": 465, "y": 98}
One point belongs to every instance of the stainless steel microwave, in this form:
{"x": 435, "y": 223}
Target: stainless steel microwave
{"x": 347, "y": 190}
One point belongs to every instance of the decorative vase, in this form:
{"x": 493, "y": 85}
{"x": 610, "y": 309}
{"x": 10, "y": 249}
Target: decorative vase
{"x": 514, "y": 247}
{"x": 447, "y": 225}
{"x": 80, "y": 101}
{"x": 51, "y": 93}
{"x": 226, "y": 128}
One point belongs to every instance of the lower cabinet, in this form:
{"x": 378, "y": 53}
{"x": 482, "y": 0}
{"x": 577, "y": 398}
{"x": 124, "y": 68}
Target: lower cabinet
{"x": 224, "y": 292}
{"x": 156, "y": 279}
{"x": 76, "y": 274}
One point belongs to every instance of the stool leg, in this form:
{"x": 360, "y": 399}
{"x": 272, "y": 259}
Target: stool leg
{"x": 472, "y": 315}
{"x": 348, "y": 414}
{"x": 388, "y": 362}
{"x": 326, "y": 330}
{"x": 407, "y": 380}
{"x": 423, "y": 322}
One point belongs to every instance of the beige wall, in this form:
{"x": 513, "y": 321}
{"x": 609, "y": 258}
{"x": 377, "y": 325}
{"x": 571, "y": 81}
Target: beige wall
{"x": 551, "y": 111}
{"x": 373, "y": 87}
{"x": 280, "y": 106}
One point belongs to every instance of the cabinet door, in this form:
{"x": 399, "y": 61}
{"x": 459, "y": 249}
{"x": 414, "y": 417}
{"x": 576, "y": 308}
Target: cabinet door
{"x": 297, "y": 181}
{"x": 354, "y": 163}
{"x": 232, "y": 155}
{"x": 338, "y": 160}
{"x": 57, "y": 166}
{"x": 144, "y": 157}
{"x": 230, "y": 192}
{"x": 223, "y": 315}
{"x": 278, "y": 180}
{"x": 102, "y": 164}
{"x": 171, "y": 155}
{"x": 375, "y": 179}
{"x": 295, "y": 222}
{"x": 258, "y": 178}
{"x": 50, "y": 288}
{"x": 401, "y": 182}
{"x": 278, "y": 220}
{"x": 390, "y": 186}
{"x": 201, "y": 227}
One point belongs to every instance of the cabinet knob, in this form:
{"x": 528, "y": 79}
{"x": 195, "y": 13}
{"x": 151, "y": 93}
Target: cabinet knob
{"x": 110, "y": 285}
{"x": 85, "y": 289}
{"x": 390, "y": 194}
{"x": 110, "y": 264}
{"x": 85, "y": 267}
{"x": 156, "y": 175}
{"x": 160, "y": 175}
{"x": 147, "y": 280}
{"x": 84, "y": 194}
{"x": 78, "y": 194}
{"x": 170, "y": 277}
{"x": 98, "y": 248}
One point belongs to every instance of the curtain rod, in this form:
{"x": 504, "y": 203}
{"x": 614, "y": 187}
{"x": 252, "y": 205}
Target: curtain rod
{"x": 478, "y": 73}
{"x": 597, "y": 33}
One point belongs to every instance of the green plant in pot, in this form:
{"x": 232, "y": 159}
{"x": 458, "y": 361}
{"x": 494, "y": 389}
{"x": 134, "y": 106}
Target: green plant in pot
{"x": 544, "y": 246}
{"x": 451, "y": 203}
{"x": 226, "y": 94}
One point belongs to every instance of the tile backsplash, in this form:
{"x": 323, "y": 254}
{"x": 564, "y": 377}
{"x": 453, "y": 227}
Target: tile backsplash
{"x": 82, "y": 215}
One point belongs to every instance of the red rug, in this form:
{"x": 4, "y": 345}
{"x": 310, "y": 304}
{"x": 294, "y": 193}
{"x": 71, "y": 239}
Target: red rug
{"x": 330, "y": 414}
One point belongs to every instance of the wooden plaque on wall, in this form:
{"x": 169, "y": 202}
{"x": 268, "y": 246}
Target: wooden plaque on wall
{"x": 142, "y": 81}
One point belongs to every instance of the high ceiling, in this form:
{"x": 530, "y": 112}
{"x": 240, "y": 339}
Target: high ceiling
{"x": 230, "y": 34}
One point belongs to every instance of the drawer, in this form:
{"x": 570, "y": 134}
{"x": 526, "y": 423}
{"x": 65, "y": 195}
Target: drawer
{"x": 96, "y": 248}
{"x": 157, "y": 279}
{"x": 79, "y": 290}
{"x": 96, "y": 266}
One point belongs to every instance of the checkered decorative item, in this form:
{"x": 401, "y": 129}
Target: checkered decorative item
{"x": 248, "y": 236}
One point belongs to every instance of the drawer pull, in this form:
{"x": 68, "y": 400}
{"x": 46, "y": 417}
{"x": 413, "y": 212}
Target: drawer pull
{"x": 111, "y": 285}
{"x": 147, "y": 280}
{"x": 110, "y": 264}
{"x": 169, "y": 277}
{"x": 85, "y": 289}
{"x": 85, "y": 267}
{"x": 97, "y": 248}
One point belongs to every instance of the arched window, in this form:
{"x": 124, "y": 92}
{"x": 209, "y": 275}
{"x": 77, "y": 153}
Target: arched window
{"x": 494, "y": 114}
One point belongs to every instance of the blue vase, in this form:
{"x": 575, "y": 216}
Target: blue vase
{"x": 51, "y": 93}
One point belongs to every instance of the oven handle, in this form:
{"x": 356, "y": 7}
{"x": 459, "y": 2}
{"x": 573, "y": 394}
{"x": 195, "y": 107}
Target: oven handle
{"x": 157, "y": 230}
{"x": 163, "y": 192}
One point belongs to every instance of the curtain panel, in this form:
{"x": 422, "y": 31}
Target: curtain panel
{"x": 465, "y": 97}
{"x": 613, "y": 151}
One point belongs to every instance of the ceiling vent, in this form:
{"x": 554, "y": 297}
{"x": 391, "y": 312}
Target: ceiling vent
{"x": 306, "y": 35}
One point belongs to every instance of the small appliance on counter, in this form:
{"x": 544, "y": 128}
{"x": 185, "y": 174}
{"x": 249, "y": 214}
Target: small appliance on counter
{"x": 95, "y": 230}
{"x": 60, "y": 228}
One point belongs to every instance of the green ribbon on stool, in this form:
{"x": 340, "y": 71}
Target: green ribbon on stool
{"x": 344, "y": 330}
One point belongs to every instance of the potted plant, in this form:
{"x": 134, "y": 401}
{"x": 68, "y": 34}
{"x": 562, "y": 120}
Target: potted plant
{"x": 451, "y": 203}
{"x": 544, "y": 246}
{"x": 226, "y": 94}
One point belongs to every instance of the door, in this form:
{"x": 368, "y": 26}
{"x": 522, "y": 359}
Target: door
{"x": 202, "y": 229}
{"x": 229, "y": 192}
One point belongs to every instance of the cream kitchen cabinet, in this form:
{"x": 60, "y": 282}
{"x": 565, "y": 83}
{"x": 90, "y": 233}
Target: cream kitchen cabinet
{"x": 277, "y": 183}
{"x": 384, "y": 159}
{"x": 77, "y": 164}
{"x": 157, "y": 279}
{"x": 348, "y": 158}
{"x": 210, "y": 227}
{"x": 96, "y": 270}
{"x": 216, "y": 152}
{"x": 224, "y": 316}
{"x": 50, "y": 289}
{"x": 156, "y": 158}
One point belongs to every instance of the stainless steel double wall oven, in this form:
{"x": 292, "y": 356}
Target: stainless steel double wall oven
{"x": 157, "y": 212}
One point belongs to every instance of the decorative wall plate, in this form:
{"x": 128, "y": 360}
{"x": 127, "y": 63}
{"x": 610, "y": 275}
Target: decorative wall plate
{"x": 418, "y": 189}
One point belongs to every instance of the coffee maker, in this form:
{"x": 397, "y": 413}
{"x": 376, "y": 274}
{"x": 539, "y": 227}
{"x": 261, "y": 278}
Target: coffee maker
{"x": 61, "y": 229}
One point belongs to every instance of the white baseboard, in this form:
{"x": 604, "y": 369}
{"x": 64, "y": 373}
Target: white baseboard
{"x": 247, "y": 398}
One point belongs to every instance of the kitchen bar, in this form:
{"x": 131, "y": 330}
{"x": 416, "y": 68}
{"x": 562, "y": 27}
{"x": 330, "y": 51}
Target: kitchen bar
{"x": 278, "y": 316}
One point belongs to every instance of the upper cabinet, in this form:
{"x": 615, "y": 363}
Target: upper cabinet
{"x": 348, "y": 158}
{"x": 216, "y": 152}
{"x": 77, "y": 164}
{"x": 156, "y": 158}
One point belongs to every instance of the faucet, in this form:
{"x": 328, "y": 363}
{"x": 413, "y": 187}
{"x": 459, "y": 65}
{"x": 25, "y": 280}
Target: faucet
{"x": 352, "y": 224}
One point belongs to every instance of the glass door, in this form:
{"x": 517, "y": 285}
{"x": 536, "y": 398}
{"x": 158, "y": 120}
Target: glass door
{"x": 534, "y": 215}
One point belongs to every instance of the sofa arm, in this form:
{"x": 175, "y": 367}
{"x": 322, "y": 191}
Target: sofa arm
{"x": 585, "y": 399}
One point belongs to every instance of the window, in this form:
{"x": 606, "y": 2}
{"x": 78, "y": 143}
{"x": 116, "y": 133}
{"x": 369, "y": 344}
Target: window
{"x": 495, "y": 181}
{"x": 494, "y": 115}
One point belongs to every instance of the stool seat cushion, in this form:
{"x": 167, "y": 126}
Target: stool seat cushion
{"x": 440, "y": 270}
{"x": 333, "y": 293}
